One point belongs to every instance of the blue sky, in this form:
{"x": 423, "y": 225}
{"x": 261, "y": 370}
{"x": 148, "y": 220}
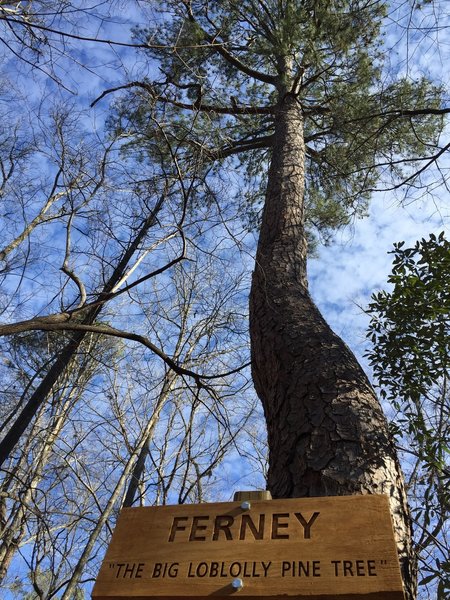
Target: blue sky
{"x": 357, "y": 264}
{"x": 344, "y": 274}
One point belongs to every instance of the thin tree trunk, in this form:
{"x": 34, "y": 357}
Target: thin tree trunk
{"x": 109, "y": 508}
{"x": 138, "y": 469}
{"x": 22, "y": 481}
{"x": 39, "y": 396}
{"x": 13, "y": 535}
{"x": 326, "y": 429}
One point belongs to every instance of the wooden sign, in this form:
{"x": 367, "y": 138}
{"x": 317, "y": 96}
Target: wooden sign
{"x": 339, "y": 547}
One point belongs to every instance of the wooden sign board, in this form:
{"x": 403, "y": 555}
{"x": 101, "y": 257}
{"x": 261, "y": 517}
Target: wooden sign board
{"x": 315, "y": 548}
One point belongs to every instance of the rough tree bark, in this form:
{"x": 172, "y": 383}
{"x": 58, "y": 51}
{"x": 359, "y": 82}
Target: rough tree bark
{"x": 326, "y": 430}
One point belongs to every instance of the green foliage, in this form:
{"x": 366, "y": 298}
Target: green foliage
{"x": 410, "y": 325}
{"x": 330, "y": 51}
{"x": 410, "y": 334}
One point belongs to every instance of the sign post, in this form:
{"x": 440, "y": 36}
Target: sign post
{"x": 315, "y": 548}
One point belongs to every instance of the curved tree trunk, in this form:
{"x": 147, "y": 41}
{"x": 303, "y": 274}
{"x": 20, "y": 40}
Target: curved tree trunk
{"x": 326, "y": 429}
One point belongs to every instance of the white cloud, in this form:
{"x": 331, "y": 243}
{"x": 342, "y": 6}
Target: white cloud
{"x": 357, "y": 264}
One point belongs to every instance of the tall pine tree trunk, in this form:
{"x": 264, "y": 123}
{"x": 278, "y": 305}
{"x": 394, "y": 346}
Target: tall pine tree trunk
{"x": 326, "y": 430}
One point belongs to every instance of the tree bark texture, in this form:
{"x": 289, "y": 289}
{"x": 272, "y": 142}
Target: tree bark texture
{"x": 326, "y": 429}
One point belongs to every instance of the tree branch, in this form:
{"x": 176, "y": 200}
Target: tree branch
{"x": 398, "y": 113}
{"x": 196, "y": 106}
{"x": 68, "y": 271}
{"x": 230, "y": 58}
{"x": 62, "y": 322}
{"x": 241, "y": 146}
{"x": 74, "y": 36}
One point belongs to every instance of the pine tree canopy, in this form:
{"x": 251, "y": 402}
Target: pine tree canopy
{"x": 224, "y": 66}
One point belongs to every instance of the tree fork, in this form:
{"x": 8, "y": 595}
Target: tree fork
{"x": 326, "y": 429}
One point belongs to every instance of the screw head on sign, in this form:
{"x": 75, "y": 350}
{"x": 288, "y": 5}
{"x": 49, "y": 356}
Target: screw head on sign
{"x": 237, "y": 584}
{"x": 246, "y": 505}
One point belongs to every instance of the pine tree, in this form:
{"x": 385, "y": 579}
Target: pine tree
{"x": 297, "y": 84}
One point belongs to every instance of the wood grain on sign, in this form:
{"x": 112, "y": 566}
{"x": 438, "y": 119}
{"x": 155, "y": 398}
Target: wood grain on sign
{"x": 337, "y": 547}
